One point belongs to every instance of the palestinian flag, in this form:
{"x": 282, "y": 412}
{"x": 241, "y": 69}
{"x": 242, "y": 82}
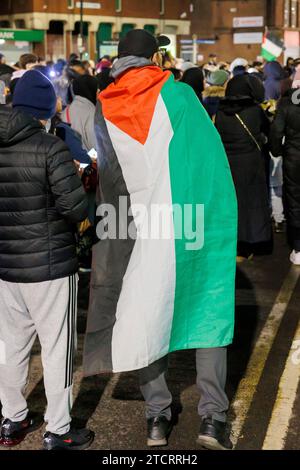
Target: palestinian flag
{"x": 151, "y": 296}
{"x": 272, "y": 47}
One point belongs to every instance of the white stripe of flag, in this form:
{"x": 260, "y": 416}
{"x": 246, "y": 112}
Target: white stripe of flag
{"x": 272, "y": 48}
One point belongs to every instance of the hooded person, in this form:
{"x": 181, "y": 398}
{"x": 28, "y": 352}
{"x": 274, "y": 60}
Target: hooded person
{"x": 80, "y": 113}
{"x": 274, "y": 75}
{"x": 159, "y": 289}
{"x": 215, "y": 91}
{"x": 195, "y": 79}
{"x": 41, "y": 199}
{"x": 285, "y": 143}
{"x": 245, "y": 87}
{"x": 243, "y": 127}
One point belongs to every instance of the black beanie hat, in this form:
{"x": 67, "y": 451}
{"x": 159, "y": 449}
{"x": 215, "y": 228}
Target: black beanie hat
{"x": 141, "y": 43}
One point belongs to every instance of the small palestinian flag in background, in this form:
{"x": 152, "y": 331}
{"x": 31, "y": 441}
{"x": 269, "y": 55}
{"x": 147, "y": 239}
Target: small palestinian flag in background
{"x": 272, "y": 47}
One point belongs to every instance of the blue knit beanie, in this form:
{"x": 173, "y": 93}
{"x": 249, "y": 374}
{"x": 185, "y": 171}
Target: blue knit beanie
{"x": 35, "y": 95}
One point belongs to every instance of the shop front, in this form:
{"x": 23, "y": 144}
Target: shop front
{"x": 14, "y": 42}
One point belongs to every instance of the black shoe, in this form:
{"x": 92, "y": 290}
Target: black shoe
{"x": 213, "y": 435}
{"x": 75, "y": 439}
{"x": 13, "y": 433}
{"x": 158, "y": 431}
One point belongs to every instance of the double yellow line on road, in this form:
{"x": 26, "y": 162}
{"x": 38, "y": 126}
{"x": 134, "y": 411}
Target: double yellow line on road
{"x": 286, "y": 397}
{"x": 248, "y": 385}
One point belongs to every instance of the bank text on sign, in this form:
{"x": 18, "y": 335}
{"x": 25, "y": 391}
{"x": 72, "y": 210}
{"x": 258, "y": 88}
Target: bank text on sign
{"x": 7, "y": 35}
{"x": 30, "y": 35}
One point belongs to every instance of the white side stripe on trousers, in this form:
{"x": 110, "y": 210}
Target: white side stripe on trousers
{"x": 71, "y": 322}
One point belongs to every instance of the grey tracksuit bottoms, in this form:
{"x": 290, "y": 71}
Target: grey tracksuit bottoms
{"x": 211, "y": 367}
{"x": 47, "y": 310}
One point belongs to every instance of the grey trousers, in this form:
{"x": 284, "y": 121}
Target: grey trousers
{"x": 47, "y": 309}
{"x": 277, "y": 204}
{"x": 211, "y": 367}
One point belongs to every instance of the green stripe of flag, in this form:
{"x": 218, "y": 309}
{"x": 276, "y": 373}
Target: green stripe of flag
{"x": 204, "y": 293}
{"x": 267, "y": 55}
{"x": 270, "y": 50}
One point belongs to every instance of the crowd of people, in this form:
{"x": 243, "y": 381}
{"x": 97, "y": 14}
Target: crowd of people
{"x": 251, "y": 94}
{"x": 251, "y": 106}
{"x": 150, "y": 128}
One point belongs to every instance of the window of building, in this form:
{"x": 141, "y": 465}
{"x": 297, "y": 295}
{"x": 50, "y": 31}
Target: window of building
{"x": 118, "y": 6}
{"x": 162, "y": 7}
{"x": 294, "y": 13}
{"x": 126, "y": 27}
{"x": 4, "y": 24}
{"x": 150, "y": 28}
{"x": 291, "y": 12}
{"x": 70, "y": 4}
{"x": 85, "y": 29}
{"x": 105, "y": 32}
{"x": 287, "y": 8}
{"x": 170, "y": 29}
{"x": 20, "y": 24}
{"x": 56, "y": 27}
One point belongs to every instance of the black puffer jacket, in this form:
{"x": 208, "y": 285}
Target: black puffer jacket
{"x": 41, "y": 200}
{"x": 247, "y": 165}
{"x": 287, "y": 125}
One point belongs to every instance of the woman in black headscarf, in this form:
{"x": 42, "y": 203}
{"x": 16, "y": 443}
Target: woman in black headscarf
{"x": 80, "y": 114}
{"x": 243, "y": 127}
{"x": 195, "y": 78}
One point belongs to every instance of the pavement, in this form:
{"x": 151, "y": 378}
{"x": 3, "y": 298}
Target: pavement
{"x": 263, "y": 377}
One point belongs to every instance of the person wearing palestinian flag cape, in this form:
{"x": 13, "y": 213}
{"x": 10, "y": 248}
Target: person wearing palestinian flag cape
{"x": 152, "y": 295}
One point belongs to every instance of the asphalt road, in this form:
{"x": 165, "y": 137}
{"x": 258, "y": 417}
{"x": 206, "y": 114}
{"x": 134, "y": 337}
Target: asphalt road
{"x": 263, "y": 379}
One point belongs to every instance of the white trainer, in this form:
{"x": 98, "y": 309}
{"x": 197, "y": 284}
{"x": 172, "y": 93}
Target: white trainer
{"x": 295, "y": 257}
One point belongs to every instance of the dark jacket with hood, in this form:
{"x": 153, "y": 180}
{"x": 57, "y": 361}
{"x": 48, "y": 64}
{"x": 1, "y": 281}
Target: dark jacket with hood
{"x": 41, "y": 198}
{"x": 274, "y": 75}
{"x": 247, "y": 162}
{"x": 287, "y": 125}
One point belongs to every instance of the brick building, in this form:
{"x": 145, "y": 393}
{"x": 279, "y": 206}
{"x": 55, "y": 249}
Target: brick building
{"x": 229, "y": 28}
{"x": 104, "y": 21}
{"x": 291, "y": 26}
{"x": 235, "y": 28}
{"x": 233, "y": 31}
